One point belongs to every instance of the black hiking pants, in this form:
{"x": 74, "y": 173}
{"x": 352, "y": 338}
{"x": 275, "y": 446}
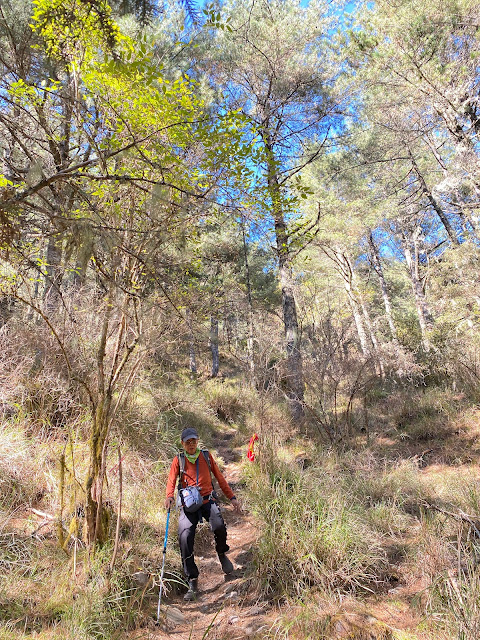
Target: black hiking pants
{"x": 187, "y": 525}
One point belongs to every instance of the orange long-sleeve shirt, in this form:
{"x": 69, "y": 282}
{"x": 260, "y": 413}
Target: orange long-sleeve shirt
{"x": 204, "y": 478}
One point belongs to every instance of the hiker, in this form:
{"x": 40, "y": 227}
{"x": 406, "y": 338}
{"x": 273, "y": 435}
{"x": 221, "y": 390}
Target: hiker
{"x": 197, "y": 468}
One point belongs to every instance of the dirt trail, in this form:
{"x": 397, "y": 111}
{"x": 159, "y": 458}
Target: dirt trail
{"x": 223, "y": 609}
{"x": 226, "y": 610}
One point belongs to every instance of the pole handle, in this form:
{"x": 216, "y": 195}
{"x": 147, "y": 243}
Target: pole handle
{"x": 165, "y": 540}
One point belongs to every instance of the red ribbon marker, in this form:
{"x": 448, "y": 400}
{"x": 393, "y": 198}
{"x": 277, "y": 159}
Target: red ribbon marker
{"x": 250, "y": 450}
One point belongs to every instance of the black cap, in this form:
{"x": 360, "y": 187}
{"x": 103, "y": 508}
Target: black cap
{"x": 189, "y": 433}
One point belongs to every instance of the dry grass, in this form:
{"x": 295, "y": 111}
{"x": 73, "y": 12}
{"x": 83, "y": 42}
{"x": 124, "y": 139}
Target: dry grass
{"x": 333, "y": 619}
{"x": 313, "y": 533}
{"x": 24, "y": 468}
{"x": 335, "y": 524}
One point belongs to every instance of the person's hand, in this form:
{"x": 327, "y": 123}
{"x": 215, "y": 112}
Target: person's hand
{"x": 236, "y": 505}
{"x": 169, "y": 503}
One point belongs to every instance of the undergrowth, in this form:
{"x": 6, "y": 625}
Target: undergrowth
{"x": 336, "y": 525}
{"x": 315, "y": 534}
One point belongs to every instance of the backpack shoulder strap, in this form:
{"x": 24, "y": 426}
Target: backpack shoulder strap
{"x": 181, "y": 462}
{"x": 206, "y": 455}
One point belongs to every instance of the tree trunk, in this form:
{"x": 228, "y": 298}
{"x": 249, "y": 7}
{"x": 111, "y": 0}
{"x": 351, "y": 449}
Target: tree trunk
{"x": 96, "y": 530}
{"x": 214, "y": 346}
{"x": 436, "y": 206}
{"x": 379, "y": 366}
{"x": 228, "y": 327}
{"x": 294, "y": 368}
{"x": 425, "y": 318}
{"x": 84, "y": 255}
{"x": 294, "y": 357}
{"x": 377, "y": 265}
{"x": 191, "y": 344}
{"x": 251, "y": 347}
{"x": 344, "y": 267}
{"x": 251, "y": 329}
{"x": 6, "y": 308}
{"x": 51, "y": 294}
{"x": 361, "y": 317}
{"x": 100, "y": 421}
{"x": 358, "y": 319}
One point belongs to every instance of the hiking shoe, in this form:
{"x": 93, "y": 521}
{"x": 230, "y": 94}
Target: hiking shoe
{"x": 227, "y": 566}
{"x": 192, "y": 591}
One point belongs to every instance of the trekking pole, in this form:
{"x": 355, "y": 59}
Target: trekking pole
{"x": 163, "y": 566}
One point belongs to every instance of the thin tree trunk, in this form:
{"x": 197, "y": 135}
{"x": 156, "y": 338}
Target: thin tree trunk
{"x": 191, "y": 344}
{"x": 93, "y": 514}
{"x": 119, "y": 510}
{"x": 361, "y": 317}
{"x": 251, "y": 347}
{"x": 358, "y": 320}
{"x": 294, "y": 374}
{"x": 6, "y": 309}
{"x": 373, "y": 338}
{"x": 100, "y": 419}
{"x": 96, "y": 523}
{"x": 227, "y": 327}
{"x": 251, "y": 329}
{"x": 433, "y": 202}
{"x": 377, "y": 265}
{"x": 345, "y": 269}
{"x": 84, "y": 255}
{"x": 53, "y": 277}
{"x": 214, "y": 346}
{"x": 425, "y": 318}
